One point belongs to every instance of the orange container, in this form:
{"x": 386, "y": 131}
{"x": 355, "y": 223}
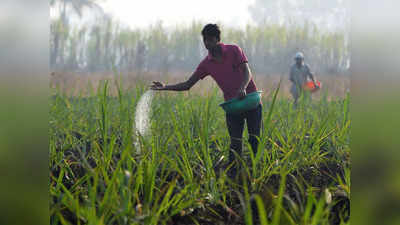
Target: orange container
{"x": 309, "y": 86}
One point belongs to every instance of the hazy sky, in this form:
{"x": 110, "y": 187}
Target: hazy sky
{"x": 171, "y": 12}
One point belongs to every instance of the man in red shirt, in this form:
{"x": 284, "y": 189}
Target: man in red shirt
{"x": 228, "y": 66}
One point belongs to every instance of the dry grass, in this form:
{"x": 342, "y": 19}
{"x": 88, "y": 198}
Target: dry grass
{"x": 75, "y": 84}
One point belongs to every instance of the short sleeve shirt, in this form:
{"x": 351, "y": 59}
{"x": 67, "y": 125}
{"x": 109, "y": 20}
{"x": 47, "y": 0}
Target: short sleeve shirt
{"x": 226, "y": 73}
{"x": 300, "y": 75}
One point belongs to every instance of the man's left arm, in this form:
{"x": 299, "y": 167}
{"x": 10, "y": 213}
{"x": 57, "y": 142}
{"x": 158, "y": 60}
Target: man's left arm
{"x": 245, "y": 69}
{"x": 311, "y": 75}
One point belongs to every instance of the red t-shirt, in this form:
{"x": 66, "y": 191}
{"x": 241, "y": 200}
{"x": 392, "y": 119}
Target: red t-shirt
{"x": 226, "y": 73}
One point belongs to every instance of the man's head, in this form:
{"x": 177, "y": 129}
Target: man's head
{"x": 211, "y": 36}
{"x": 299, "y": 58}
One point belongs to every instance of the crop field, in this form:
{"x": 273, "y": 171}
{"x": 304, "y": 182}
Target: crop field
{"x": 102, "y": 171}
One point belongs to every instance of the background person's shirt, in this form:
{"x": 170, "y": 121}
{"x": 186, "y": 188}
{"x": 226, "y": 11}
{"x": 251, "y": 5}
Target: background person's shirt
{"x": 226, "y": 73}
{"x": 299, "y": 75}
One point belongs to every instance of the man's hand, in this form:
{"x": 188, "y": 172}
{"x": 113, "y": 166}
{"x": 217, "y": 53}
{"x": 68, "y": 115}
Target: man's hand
{"x": 158, "y": 86}
{"x": 241, "y": 94}
{"x": 316, "y": 85}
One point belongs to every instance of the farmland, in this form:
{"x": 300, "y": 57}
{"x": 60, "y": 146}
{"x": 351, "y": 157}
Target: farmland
{"x": 103, "y": 172}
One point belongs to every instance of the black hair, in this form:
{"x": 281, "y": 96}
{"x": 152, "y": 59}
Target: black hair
{"x": 211, "y": 30}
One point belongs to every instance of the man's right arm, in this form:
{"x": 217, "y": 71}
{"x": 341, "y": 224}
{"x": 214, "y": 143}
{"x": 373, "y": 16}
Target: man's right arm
{"x": 183, "y": 86}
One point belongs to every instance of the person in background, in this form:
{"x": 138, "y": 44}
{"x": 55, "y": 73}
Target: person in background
{"x": 299, "y": 75}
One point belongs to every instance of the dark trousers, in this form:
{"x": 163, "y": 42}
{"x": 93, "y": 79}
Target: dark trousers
{"x": 235, "y": 123}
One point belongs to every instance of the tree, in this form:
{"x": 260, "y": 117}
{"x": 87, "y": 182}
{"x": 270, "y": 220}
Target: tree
{"x": 325, "y": 13}
{"x": 269, "y": 11}
{"x": 76, "y": 5}
{"x": 61, "y": 25}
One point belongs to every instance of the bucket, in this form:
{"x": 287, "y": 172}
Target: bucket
{"x": 236, "y": 106}
{"x": 309, "y": 86}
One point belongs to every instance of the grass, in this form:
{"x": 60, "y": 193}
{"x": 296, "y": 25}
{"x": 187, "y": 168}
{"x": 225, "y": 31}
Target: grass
{"x": 300, "y": 175}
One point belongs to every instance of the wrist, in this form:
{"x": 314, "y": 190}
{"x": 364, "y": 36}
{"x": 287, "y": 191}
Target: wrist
{"x": 242, "y": 91}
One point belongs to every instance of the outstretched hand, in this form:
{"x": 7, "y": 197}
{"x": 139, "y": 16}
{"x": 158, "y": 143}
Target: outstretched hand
{"x": 158, "y": 86}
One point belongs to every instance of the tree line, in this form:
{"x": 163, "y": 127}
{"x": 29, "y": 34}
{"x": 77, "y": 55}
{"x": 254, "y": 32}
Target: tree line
{"x": 270, "y": 48}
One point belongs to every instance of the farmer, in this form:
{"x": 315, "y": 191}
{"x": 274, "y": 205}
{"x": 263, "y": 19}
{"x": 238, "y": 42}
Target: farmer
{"x": 228, "y": 66}
{"x": 299, "y": 74}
